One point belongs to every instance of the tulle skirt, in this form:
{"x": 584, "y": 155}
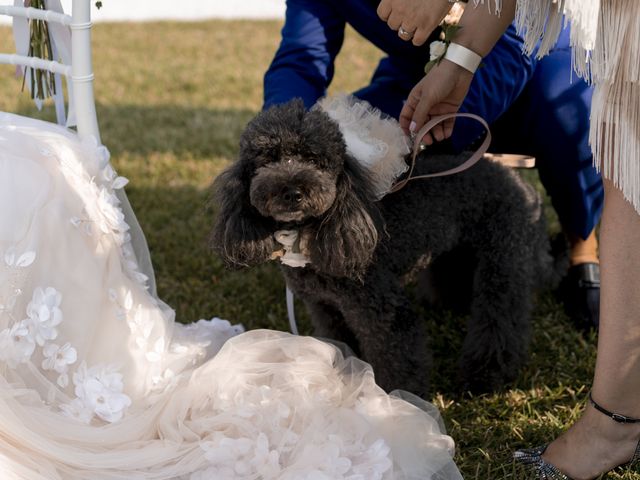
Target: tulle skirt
{"x": 98, "y": 382}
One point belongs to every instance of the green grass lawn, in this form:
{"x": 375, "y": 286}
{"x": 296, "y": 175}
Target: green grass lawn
{"x": 172, "y": 100}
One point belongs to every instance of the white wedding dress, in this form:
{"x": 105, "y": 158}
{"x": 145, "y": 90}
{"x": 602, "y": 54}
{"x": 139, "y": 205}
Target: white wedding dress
{"x": 97, "y": 382}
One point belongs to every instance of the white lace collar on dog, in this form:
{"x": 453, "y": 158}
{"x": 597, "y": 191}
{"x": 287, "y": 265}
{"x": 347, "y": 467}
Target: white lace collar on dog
{"x": 294, "y": 248}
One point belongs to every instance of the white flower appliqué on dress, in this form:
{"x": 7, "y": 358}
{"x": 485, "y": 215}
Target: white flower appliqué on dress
{"x": 59, "y": 358}
{"x": 17, "y": 264}
{"x": 99, "y": 391}
{"x": 16, "y": 344}
{"x": 44, "y": 314}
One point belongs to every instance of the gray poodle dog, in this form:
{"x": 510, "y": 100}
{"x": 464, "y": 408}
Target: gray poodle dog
{"x": 481, "y": 232}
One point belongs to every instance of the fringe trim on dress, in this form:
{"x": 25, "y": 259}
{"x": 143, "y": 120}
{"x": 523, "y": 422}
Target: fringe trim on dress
{"x": 615, "y": 110}
{"x": 542, "y": 21}
{"x": 605, "y": 40}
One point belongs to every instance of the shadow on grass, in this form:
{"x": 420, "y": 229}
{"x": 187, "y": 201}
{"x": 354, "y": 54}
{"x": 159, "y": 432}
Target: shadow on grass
{"x": 194, "y": 281}
{"x": 185, "y": 131}
{"x": 191, "y": 278}
{"x": 177, "y": 221}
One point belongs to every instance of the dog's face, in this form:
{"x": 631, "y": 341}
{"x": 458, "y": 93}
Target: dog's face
{"x": 293, "y": 168}
{"x": 291, "y": 182}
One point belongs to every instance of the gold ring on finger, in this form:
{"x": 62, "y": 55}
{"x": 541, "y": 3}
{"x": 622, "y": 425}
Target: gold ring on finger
{"x": 404, "y": 33}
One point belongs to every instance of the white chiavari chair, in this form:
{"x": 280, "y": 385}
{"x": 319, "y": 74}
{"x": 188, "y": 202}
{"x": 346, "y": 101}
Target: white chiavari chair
{"x": 78, "y": 71}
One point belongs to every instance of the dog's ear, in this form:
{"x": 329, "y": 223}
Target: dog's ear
{"x": 241, "y": 236}
{"x": 347, "y": 237}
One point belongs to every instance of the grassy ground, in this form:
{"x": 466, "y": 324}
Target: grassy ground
{"x": 172, "y": 101}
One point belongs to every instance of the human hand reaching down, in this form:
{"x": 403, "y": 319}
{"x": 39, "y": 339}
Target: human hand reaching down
{"x": 441, "y": 91}
{"x": 444, "y": 88}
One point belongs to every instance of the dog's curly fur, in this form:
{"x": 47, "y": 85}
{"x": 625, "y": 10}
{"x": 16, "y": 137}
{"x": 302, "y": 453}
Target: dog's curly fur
{"x": 294, "y": 170}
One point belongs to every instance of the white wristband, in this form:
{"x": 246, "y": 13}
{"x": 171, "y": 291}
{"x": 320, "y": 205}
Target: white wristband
{"x": 467, "y": 59}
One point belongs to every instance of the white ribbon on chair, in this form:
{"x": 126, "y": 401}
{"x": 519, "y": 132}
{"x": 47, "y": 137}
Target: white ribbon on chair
{"x": 61, "y": 46}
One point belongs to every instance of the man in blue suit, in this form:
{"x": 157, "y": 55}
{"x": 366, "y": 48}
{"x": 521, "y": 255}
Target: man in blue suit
{"x": 532, "y": 106}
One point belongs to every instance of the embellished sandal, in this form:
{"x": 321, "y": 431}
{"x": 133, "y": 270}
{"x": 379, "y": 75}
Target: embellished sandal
{"x": 546, "y": 471}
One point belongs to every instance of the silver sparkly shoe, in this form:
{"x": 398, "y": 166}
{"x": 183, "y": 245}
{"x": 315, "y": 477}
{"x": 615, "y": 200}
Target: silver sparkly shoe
{"x": 533, "y": 458}
{"x": 545, "y": 471}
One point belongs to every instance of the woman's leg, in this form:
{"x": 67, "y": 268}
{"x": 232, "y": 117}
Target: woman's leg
{"x": 596, "y": 443}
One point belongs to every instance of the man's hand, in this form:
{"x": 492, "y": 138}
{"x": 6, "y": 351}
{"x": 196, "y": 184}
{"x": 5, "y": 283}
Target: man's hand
{"x": 441, "y": 91}
{"x": 414, "y": 19}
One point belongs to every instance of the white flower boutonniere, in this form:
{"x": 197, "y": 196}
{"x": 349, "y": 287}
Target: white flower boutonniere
{"x": 437, "y": 49}
{"x": 449, "y": 27}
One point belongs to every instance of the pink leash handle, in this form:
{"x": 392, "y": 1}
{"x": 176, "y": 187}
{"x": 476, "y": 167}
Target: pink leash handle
{"x": 470, "y": 162}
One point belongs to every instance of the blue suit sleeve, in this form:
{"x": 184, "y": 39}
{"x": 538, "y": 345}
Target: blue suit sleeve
{"x": 303, "y": 65}
{"x": 497, "y": 83}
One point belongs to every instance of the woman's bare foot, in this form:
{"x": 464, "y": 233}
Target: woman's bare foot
{"x": 593, "y": 445}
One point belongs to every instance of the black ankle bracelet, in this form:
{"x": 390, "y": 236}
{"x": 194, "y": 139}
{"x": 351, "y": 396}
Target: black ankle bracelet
{"x": 614, "y": 416}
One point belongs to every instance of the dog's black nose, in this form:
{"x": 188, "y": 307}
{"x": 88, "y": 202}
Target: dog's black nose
{"x": 292, "y": 195}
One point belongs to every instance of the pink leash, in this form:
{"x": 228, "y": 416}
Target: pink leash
{"x": 470, "y": 162}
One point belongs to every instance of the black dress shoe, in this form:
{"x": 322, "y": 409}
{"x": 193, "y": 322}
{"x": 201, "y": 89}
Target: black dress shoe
{"x": 580, "y": 293}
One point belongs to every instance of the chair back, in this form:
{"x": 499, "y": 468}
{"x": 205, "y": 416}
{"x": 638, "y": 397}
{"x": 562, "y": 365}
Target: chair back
{"x": 76, "y": 67}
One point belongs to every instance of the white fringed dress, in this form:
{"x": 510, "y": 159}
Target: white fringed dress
{"x": 605, "y": 36}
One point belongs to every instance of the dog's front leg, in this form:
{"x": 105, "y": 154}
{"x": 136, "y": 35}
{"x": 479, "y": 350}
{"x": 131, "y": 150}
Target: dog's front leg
{"x": 328, "y": 322}
{"x": 391, "y": 337}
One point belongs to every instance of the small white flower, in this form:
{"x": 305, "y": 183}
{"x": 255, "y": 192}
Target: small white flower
{"x": 119, "y": 182}
{"x": 78, "y": 410}
{"x": 437, "y": 49}
{"x": 108, "y": 173}
{"x": 16, "y": 344}
{"x": 265, "y": 460}
{"x": 63, "y": 380}
{"x": 99, "y": 389}
{"x": 159, "y": 347}
{"x": 226, "y": 450}
{"x": 375, "y": 461}
{"x": 58, "y": 358}
{"x": 111, "y": 216}
{"x": 44, "y": 314}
